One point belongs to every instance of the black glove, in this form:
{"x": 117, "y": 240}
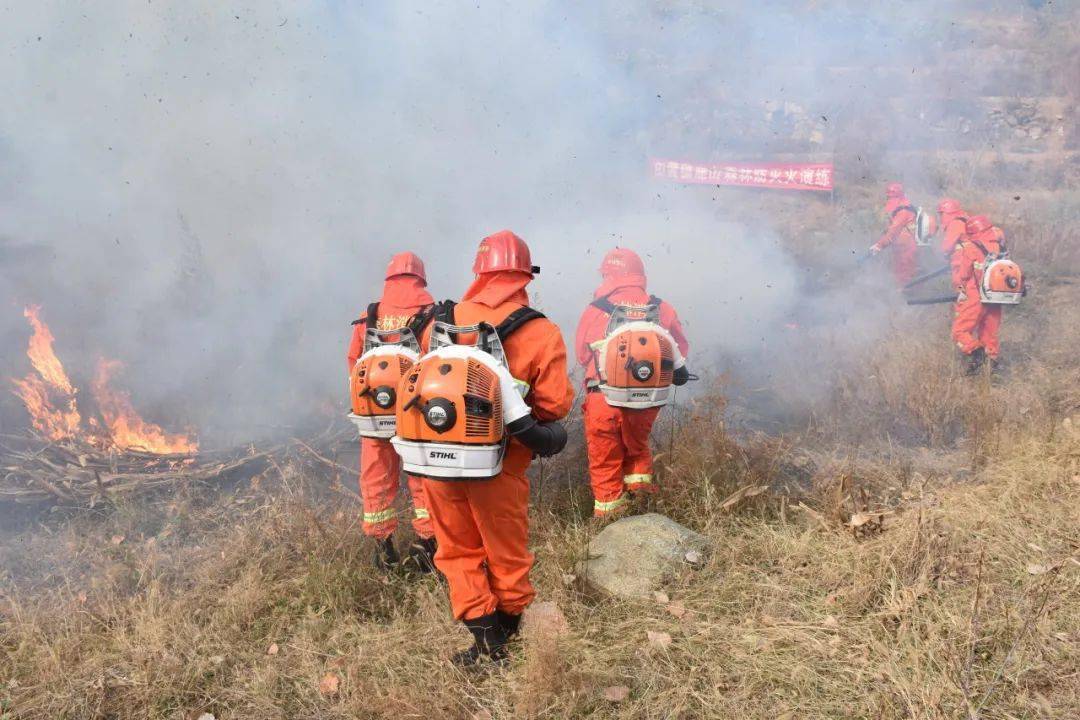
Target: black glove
{"x": 681, "y": 376}
{"x": 544, "y": 439}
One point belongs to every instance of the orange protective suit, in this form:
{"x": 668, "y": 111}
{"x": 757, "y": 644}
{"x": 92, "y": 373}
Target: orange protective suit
{"x": 975, "y": 324}
{"x": 482, "y": 526}
{"x": 952, "y": 230}
{"x": 380, "y": 467}
{"x": 899, "y": 236}
{"x": 617, "y": 439}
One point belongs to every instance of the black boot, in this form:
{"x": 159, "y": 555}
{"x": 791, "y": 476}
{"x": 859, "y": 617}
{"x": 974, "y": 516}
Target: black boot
{"x": 975, "y": 360}
{"x": 421, "y": 557}
{"x": 510, "y": 623}
{"x": 386, "y": 555}
{"x": 489, "y": 642}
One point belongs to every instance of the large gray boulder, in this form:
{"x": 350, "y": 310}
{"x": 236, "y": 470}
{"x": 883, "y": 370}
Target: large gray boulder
{"x": 632, "y": 557}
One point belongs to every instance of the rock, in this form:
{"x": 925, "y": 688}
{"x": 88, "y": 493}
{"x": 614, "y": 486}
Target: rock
{"x": 544, "y": 620}
{"x": 658, "y": 640}
{"x": 634, "y": 556}
{"x": 616, "y": 693}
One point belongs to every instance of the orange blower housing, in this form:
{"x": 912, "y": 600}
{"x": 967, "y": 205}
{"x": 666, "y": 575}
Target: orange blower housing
{"x": 636, "y": 361}
{"x": 374, "y": 380}
{"x": 453, "y": 408}
{"x": 1002, "y": 282}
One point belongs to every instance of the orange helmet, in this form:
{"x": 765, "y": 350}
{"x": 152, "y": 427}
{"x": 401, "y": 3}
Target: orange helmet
{"x": 621, "y": 262}
{"x": 949, "y": 206}
{"x": 978, "y": 224}
{"x": 406, "y": 263}
{"x": 503, "y": 251}
{"x": 894, "y": 190}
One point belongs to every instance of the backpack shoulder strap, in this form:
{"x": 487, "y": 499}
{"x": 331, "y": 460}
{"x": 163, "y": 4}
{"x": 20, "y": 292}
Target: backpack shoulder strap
{"x": 604, "y": 305}
{"x": 515, "y": 320}
{"x": 901, "y": 209}
{"x": 444, "y": 312}
{"x": 981, "y": 247}
{"x": 421, "y": 319}
{"x": 653, "y": 300}
{"x": 371, "y": 317}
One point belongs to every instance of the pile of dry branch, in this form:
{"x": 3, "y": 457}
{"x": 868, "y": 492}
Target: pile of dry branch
{"x": 76, "y": 472}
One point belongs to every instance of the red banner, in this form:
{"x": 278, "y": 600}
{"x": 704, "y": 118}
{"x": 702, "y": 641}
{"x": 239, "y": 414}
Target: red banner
{"x": 784, "y": 176}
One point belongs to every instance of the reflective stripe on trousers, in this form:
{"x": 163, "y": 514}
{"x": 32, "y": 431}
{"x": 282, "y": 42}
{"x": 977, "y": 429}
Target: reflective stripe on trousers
{"x": 637, "y": 479}
{"x": 601, "y": 507}
{"x": 379, "y": 517}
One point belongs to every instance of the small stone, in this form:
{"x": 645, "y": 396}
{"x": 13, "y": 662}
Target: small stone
{"x": 616, "y": 693}
{"x": 658, "y": 640}
{"x": 544, "y": 620}
{"x": 676, "y": 609}
{"x": 329, "y": 684}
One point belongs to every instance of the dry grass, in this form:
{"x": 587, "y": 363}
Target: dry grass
{"x": 965, "y": 603}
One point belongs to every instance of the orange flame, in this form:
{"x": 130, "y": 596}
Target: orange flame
{"x": 127, "y": 429}
{"x": 33, "y": 390}
{"x": 53, "y": 423}
{"x": 125, "y": 426}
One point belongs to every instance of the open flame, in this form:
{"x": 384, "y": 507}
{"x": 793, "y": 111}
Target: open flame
{"x": 126, "y": 428}
{"x": 50, "y": 398}
{"x": 55, "y": 423}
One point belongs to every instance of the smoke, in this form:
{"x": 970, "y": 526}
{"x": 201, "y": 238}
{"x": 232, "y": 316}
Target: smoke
{"x": 219, "y": 186}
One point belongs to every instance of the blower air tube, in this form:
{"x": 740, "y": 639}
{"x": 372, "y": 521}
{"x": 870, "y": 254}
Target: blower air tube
{"x": 544, "y": 439}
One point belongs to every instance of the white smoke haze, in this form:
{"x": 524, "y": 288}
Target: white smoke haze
{"x": 219, "y": 186}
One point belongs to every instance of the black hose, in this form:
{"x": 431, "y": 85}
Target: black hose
{"x": 680, "y": 377}
{"x": 544, "y": 439}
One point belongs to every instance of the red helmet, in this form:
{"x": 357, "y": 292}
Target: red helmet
{"x": 406, "y": 263}
{"x": 894, "y": 190}
{"x": 949, "y": 206}
{"x": 978, "y": 224}
{"x": 621, "y": 262}
{"x": 503, "y": 251}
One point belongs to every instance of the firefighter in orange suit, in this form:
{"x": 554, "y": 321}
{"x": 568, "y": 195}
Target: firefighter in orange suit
{"x": 952, "y": 221}
{"x": 405, "y": 301}
{"x": 975, "y": 323}
{"x": 482, "y": 526}
{"x": 620, "y": 459}
{"x": 899, "y": 234}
